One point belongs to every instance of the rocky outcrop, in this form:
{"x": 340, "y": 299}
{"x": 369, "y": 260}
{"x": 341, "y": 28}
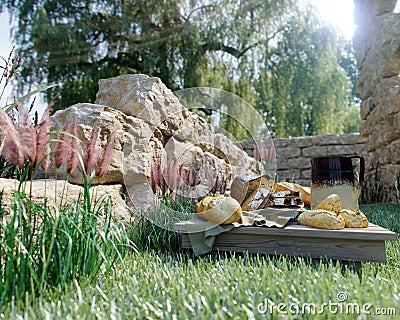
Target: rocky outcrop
{"x": 135, "y": 143}
{"x": 147, "y": 98}
{"x": 151, "y": 124}
{"x": 61, "y": 192}
{"x": 377, "y": 47}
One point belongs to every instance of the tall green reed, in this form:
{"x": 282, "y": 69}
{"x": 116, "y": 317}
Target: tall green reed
{"x": 56, "y": 245}
{"x": 48, "y": 245}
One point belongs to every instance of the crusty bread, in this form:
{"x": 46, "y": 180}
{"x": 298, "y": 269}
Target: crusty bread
{"x": 284, "y": 186}
{"x": 242, "y": 186}
{"x": 284, "y": 199}
{"x": 305, "y": 193}
{"x": 330, "y": 203}
{"x": 219, "y": 209}
{"x": 354, "y": 218}
{"x": 322, "y": 219}
{"x": 203, "y": 204}
{"x": 256, "y": 200}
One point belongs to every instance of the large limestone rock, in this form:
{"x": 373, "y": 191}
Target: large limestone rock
{"x": 151, "y": 125}
{"x": 184, "y": 135}
{"x": 147, "y": 98}
{"x": 135, "y": 145}
{"x": 141, "y": 96}
{"x": 61, "y": 192}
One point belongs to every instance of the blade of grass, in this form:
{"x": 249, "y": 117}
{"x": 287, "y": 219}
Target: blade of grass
{"x": 11, "y": 106}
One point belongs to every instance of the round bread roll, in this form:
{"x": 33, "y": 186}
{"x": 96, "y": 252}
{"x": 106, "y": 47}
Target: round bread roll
{"x": 354, "y": 218}
{"x": 330, "y": 203}
{"x": 203, "y": 204}
{"x": 219, "y": 209}
{"x": 322, "y": 219}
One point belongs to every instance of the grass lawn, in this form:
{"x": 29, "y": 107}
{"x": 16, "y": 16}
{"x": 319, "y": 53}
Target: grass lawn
{"x": 159, "y": 285}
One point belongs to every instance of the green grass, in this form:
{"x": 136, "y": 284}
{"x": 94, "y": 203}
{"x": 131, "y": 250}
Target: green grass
{"x": 155, "y": 228}
{"x": 42, "y": 247}
{"x": 175, "y": 285}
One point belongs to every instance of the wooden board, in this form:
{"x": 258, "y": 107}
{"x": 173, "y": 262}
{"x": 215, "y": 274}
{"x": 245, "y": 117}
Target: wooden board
{"x": 355, "y": 244}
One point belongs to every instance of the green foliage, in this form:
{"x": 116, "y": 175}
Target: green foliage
{"x": 148, "y": 236}
{"x": 155, "y": 228}
{"x": 46, "y": 246}
{"x": 385, "y": 215}
{"x": 8, "y": 170}
{"x": 375, "y": 190}
{"x": 276, "y": 55}
{"x": 308, "y": 92}
{"x": 176, "y": 286}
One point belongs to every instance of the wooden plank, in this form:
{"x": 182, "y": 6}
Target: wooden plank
{"x": 373, "y": 232}
{"x": 355, "y": 250}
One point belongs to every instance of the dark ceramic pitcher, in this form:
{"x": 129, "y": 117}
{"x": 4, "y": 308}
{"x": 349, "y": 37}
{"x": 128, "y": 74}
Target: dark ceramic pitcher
{"x": 336, "y": 175}
{"x": 336, "y": 169}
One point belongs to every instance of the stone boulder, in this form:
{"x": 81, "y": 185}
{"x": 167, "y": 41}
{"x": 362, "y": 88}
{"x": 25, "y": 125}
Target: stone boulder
{"x": 141, "y": 96}
{"x": 135, "y": 145}
{"x": 184, "y": 134}
{"x": 61, "y": 192}
{"x": 152, "y": 125}
{"x": 147, "y": 98}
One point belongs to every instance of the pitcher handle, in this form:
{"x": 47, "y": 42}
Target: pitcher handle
{"x": 362, "y": 168}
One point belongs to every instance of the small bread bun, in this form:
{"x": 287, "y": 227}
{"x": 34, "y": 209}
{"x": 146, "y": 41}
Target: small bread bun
{"x": 330, "y": 203}
{"x": 322, "y": 219}
{"x": 203, "y": 204}
{"x": 221, "y": 210}
{"x": 354, "y": 218}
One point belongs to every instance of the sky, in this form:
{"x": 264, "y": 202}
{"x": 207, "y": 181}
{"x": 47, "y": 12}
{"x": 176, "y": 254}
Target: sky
{"x": 336, "y": 12}
{"x": 5, "y": 48}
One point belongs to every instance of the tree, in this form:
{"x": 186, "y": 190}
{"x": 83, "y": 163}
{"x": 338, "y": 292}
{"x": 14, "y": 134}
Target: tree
{"x": 273, "y": 54}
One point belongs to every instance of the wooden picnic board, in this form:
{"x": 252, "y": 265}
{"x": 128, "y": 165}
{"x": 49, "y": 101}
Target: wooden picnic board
{"x": 351, "y": 244}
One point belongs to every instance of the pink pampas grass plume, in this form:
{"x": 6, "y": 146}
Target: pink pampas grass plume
{"x": 42, "y": 145}
{"x": 12, "y": 151}
{"x": 271, "y": 153}
{"x": 27, "y": 134}
{"x": 61, "y": 154}
{"x": 172, "y": 176}
{"x": 154, "y": 178}
{"x": 103, "y": 165}
{"x": 92, "y": 150}
{"x": 256, "y": 153}
{"x": 73, "y": 156}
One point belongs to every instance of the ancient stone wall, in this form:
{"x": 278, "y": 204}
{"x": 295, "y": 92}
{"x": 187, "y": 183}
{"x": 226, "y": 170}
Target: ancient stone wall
{"x": 293, "y": 155}
{"x": 377, "y": 46}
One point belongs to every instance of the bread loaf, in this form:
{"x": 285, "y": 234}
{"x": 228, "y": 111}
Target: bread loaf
{"x": 330, "y": 203}
{"x": 322, "y": 219}
{"x": 284, "y": 199}
{"x": 256, "y": 200}
{"x": 203, "y": 204}
{"x": 284, "y": 186}
{"x": 244, "y": 185}
{"x": 354, "y": 218}
{"x": 219, "y": 209}
{"x": 305, "y": 194}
